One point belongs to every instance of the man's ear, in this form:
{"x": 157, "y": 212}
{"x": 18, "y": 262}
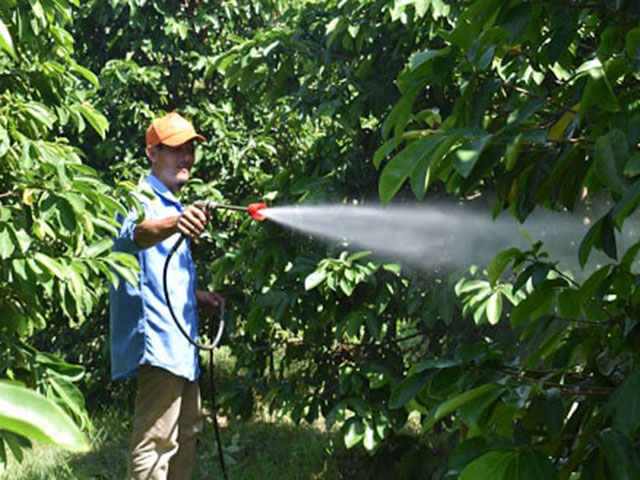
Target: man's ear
{"x": 151, "y": 154}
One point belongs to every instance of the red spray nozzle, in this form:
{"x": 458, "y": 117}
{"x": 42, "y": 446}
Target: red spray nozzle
{"x": 254, "y": 209}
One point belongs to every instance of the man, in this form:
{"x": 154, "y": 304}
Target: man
{"x": 144, "y": 338}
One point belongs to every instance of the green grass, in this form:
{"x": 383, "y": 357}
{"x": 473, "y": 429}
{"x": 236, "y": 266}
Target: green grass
{"x": 262, "y": 448}
{"x": 257, "y": 449}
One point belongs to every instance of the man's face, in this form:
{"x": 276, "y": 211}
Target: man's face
{"x": 171, "y": 165}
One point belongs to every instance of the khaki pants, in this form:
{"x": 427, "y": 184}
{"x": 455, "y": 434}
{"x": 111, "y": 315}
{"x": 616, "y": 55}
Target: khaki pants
{"x": 167, "y": 420}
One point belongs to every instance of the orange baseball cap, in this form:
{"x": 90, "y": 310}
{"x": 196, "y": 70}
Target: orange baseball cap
{"x": 171, "y": 130}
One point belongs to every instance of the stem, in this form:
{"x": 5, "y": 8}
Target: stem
{"x": 551, "y": 101}
{"x": 569, "y": 3}
{"x": 567, "y": 389}
{"x": 584, "y": 438}
{"x": 566, "y": 277}
{"x": 578, "y": 320}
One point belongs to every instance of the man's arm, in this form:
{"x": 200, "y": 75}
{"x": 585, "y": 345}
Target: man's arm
{"x": 190, "y": 222}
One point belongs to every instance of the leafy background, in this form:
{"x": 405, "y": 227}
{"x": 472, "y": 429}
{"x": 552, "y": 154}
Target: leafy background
{"x": 516, "y": 368}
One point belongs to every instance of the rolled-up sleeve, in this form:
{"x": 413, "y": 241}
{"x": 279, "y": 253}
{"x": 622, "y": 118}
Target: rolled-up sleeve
{"x": 125, "y": 242}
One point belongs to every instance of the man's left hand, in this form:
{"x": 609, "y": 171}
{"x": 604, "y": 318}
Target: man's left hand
{"x": 210, "y": 301}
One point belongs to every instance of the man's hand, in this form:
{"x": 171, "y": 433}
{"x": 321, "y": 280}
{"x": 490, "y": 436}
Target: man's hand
{"x": 192, "y": 221}
{"x": 209, "y": 301}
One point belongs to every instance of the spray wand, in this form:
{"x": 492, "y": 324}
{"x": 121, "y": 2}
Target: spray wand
{"x": 254, "y": 210}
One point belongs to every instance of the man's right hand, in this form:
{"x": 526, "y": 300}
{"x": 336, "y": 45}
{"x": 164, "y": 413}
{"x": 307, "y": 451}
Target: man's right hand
{"x": 192, "y": 221}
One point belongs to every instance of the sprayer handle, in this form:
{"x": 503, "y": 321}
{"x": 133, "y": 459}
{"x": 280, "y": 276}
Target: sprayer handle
{"x": 206, "y": 205}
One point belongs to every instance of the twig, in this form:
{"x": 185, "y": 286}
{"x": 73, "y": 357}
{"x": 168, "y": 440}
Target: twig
{"x": 569, "y": 3}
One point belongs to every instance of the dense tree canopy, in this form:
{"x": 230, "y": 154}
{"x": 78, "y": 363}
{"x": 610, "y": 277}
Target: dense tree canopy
{"x": 512, "y": 368}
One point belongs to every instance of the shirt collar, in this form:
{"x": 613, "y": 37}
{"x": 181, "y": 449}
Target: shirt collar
{"x": 161, "y": 189}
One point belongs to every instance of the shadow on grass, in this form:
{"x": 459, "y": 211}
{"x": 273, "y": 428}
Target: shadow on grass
{"x": 253, "y": 450}
{"x": 259, "y": 450}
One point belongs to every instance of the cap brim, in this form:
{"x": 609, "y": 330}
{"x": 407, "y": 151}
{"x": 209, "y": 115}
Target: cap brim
{"x": 183, "y": 137}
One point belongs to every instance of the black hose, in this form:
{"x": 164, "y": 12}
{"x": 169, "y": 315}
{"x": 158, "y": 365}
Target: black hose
{"x": 199, "y": 346}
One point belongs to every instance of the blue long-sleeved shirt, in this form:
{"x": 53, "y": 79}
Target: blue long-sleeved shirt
{"x": 142, "y": 330}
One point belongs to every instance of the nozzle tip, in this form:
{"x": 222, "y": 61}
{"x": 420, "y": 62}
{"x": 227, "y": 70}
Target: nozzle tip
{"x": 254, "y": 209}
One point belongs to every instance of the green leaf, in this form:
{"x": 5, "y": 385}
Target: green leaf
{"x": 127, "y": 272}
{"x": 86, "y": 74}
{"x": 611, "y": 154}
{"x": 494, "y": 308}
{"x": 569, "y": 303}
{"x": 353, "y": 432}
{"x": 633, "y": 44}
{"x": 314, "y": 279}
{"x": 456, "y": 402}
{"x": 421, "y": 7}
{"x": 409, "y": 387}
{"x": 396, "y": 172}
{"x": 51, "y": 265}
{"x": 400, "y": 113}
{"x": 16, "y": 443}
{"x": 429, "y": 165}
{"x": 346, "y": 286}
{"x": 626, "y": 205}
{"x": 468, "y": 450}
{"x": 533, "y": 307}
{"x": 592, "y": 284}
{"x": 126, "y": 260}
{"x": 371, "y": 441}
{"x": 630, "y": 256}
{"x": 530, "y": 464}
{"x": 526, "y": 464}
{"x": 70, "y": 396}
{"x": 357, "y": 256}
{"x": 525, "y": 111}
{"x": 34, "y": 416}
{"x": 608, "y": 237}
{"x": 385, "y": 149}
{"x": 599, "y": 92}
{"x": 466, "y": 156}
{"x": 631, "y": 168}
{"x": 98, "y": 121}
{"x": 490, "y": 466}
{"x": 40, "y": 113}
{"x": 6, "y": 43}
{"x": 590, "y": 239}
{"x": 373, "y": 325}
{"x": 512, "y": 152}
{"x": 625, "y": 403}
{"x": 499, "y": 262}
{"x": 470, "y": 412}
{"x": 6, "y": 242}
{"x": 95, "y": 249}
{"x": 622, "y": 459}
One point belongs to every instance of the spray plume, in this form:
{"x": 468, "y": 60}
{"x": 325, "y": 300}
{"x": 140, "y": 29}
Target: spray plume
{"x": 434, "y": 235}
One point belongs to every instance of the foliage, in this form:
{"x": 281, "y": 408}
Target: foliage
{"x": 26, "y": 413}
{"x": 522, "y": 369}
{"x": 537, "y": 105}
{"x": 533, "y": 102}
{"x": 55, "y": 219}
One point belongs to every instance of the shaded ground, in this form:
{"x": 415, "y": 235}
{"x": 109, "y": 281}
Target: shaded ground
{"x": 253, "y": 450}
